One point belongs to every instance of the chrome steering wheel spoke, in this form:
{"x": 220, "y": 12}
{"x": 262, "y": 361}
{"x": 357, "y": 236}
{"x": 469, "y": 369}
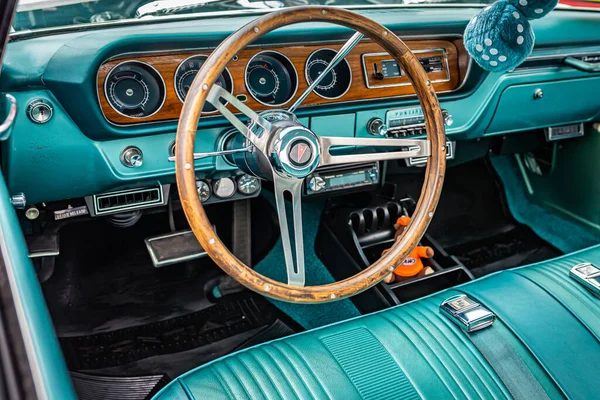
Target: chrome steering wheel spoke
{"x": 414, "y": 148}
{"x": 294, "y": 265}
{"x": 258, "y": 128}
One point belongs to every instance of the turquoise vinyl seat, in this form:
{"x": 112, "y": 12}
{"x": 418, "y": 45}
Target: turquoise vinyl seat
{"x": 412, "y": 351}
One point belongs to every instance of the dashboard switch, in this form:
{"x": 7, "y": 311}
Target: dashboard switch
{"x": 132, "y": 157}
{"x": 448, "y": 119}
{"x": 377, "y": 127}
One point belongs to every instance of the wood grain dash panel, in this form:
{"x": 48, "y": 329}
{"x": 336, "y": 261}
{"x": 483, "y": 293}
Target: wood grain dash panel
{"x": 456, "y": 60}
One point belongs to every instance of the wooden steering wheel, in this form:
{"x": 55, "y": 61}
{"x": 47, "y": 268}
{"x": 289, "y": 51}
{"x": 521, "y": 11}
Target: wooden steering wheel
{"x": 286, "y": 152}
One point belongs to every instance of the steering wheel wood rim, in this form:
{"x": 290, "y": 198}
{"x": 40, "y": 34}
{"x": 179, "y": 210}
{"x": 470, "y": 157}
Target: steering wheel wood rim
{"x": 186, "y": 134}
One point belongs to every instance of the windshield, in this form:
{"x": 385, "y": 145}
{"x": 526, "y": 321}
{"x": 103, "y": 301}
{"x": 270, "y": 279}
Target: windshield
{"x": 39, "y": 14}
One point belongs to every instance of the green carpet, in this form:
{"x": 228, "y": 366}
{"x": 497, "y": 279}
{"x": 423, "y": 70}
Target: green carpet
{"x": 273, "y": 265}
{"x": 566, "y": 235}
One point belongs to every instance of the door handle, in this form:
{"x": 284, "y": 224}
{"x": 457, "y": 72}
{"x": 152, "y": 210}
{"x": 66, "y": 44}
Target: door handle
{"x": 582, "y": 65}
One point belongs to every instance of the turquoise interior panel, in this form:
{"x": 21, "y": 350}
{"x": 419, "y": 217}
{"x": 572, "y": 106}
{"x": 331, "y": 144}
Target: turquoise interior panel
{"x": 45, "y": 358}
{"x": 562, "y": 103}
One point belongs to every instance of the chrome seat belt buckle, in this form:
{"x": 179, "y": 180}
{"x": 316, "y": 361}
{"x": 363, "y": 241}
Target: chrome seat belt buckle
{"x": 587, "y": 275}
{"x": 468, "y": 314}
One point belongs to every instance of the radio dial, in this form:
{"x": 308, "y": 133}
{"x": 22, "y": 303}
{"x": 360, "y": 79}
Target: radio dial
{"x": 316, "y": 183}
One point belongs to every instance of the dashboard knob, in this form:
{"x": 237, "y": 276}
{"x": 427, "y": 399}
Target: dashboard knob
{"x": 132, "y": 157}
{"x": 18, "y": 201}
{"x": 316, "y": 183}
{"x": 377, "y": 127}
{"x": 448, "y": 120}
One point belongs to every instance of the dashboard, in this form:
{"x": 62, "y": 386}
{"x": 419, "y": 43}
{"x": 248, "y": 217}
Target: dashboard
{"x": 121, "y": 87}
{"x": 141, "y": 88}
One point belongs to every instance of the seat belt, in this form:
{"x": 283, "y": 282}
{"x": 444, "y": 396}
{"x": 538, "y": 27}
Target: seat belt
{"x": 477, "y": 323}
{"x": 509, "y": 367}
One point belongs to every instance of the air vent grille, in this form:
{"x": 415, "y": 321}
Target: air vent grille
{"x": 128, "y": 200}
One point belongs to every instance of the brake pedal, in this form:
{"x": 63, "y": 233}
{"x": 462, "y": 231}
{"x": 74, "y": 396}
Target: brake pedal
{"x": 174, "y": 248}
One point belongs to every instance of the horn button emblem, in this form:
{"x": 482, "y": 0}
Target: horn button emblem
{"x": 300, "y": 153}
{"x": 295, "y": 151}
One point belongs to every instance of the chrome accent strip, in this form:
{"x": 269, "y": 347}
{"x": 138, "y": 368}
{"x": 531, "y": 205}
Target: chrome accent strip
{"x": 198, "y": 156}
{"x": 12, "y": 114}
{"x": 399, "y": 66}
{"x": 107, "y": 96}
{"x": 416, "y": 148}
{"x": 295, "y": 271}
{"x": 341, "y": 54}
{"x": 306, "y": 74}
{"x": 293, "y": 69}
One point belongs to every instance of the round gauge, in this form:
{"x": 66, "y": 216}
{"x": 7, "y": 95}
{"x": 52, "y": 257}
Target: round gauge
{"x": 337, "y": 82}
{"x": 185, "y": 74}
{"x": 203, "y": 190}
{"x": 224, "y": 188}
{"x": 248, "y": 185}
{"x": 135, "y": 89}
{"x": 271, "y": 78}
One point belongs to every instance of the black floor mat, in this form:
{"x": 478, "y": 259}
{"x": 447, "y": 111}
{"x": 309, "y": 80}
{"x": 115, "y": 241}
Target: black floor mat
{"x": 473, "y": 223}
{"x": 222, "y": 321}
{"x": 117, "y": 315}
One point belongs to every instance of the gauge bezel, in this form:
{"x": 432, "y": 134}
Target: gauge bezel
{"x": 210, "y": 190}
{"x": 293, "y": 68}
{"x": 177, "y": 91}
{"x": 239, "y": 178}
{"x": 214, "y": 191}
{"x": 107, "y": 79}
{"x": 309, "y": 83}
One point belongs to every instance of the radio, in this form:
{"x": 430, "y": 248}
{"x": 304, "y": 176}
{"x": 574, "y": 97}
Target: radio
{"x": 335, "y": 178}
{"x": 403, "y": 122}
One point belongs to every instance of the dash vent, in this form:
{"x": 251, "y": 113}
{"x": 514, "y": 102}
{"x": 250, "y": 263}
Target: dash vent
{"x": 127, "y": 200}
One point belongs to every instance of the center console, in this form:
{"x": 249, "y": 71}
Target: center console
{"x": 351, "y": 238}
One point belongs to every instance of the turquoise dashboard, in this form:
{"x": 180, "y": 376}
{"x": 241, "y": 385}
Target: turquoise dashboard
{"x": 78, "y": 152}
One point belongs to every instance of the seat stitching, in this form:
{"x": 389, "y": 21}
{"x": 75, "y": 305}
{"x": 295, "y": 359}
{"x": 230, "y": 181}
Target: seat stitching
{"x": 251, "y": 354}
{"x": 476, "y": 355}
{"x": 450, "y": 358}
{"x": 221, "y": 381}
{"x": 237, "y": 378}
{"x": 278, "y": 367}
{"x": 574, "y": 290}
{"x": 186, "y": 389}
{"x": 427, "y": 358}
{"x": 299, "y": 374}
{"x": 307, "y": 367}
{"x": 565, "y": 306}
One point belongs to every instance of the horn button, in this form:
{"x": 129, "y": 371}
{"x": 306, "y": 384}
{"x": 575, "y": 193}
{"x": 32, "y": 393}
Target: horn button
{"x": 295, "y": 150}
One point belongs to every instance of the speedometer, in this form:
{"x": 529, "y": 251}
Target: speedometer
{"x": 186, "y": 72}
{"x": 337, "y": 82}
{"x": 135, "y": 89}
{"x": 271, "y": 78}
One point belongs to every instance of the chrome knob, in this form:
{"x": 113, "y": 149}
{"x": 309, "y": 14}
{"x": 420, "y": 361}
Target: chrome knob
{"x": 18, "y": 201}
{"x": 316, "y": 183}
{"x": 377, "y": 127}
{"x": 448, "y": 120}
{"x": 132, "y": 157}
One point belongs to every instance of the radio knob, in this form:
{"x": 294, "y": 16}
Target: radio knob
{"x": 316, "y": 183}
{"x": 377, "y": 127}
{"x": 448, "y": 120}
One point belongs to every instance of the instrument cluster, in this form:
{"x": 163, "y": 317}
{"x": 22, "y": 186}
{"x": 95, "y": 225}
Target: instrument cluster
{"x": 137, "y": 90}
